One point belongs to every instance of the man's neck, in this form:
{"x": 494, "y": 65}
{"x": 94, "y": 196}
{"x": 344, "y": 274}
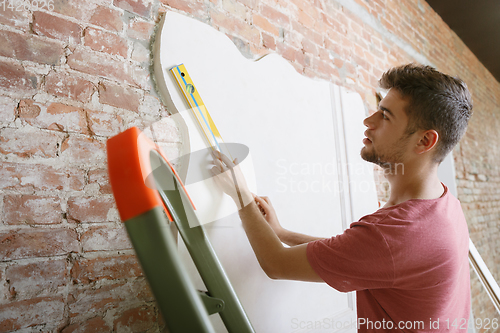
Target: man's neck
{"x": 416, "y": 182}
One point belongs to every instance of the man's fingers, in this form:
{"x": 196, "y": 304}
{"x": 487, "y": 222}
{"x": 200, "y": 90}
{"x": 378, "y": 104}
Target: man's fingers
{"x": 267, "y": 200}
{"x": 262, "y": 202}
{"x": 227, "y": 161}
{"x": 220, "y": 165}
{"x": 221, "y": 157}
{"x": 216, "y": 170}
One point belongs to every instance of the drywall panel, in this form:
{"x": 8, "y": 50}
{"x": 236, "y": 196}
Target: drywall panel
{"x": 298, "y": 156}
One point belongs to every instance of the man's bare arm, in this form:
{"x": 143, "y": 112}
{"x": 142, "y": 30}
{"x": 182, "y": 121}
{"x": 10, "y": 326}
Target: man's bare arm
{"x": 288, "y": 237}
{"x": 277, "y": 261}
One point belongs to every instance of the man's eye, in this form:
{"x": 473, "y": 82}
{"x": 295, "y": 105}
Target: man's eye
{"x": 383, "y": 115}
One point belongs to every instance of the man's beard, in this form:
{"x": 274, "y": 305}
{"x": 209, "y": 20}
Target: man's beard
{"x": 389, "y": 161}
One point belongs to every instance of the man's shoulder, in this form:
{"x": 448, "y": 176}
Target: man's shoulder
{"x": 419, "y": 211}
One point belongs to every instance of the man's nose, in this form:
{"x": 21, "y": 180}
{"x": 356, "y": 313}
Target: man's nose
{"x": 370, "y": 121}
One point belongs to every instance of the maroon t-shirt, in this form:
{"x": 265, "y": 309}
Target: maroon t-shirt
{"x": 408, "y": 264}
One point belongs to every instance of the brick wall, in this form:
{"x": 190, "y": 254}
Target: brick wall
{"x": 73, "y": 75}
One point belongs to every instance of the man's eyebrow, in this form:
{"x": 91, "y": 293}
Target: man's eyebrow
{"x": 386, "y": 110}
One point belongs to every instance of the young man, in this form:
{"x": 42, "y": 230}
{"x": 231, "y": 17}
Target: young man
{"x": 408, "y": 261}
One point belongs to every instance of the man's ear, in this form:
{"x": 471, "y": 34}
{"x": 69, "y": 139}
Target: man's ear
{"x": 428, "y": 140}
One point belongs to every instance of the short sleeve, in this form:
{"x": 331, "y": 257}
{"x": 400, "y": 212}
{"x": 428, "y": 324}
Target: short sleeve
{"x": 358, "y": 259}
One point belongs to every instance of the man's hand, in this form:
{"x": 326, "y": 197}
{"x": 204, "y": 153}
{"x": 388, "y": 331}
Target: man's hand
{"x": 261, "y": 225}
{"x": 229, "y": 177}
{"x": 267, "y": 210}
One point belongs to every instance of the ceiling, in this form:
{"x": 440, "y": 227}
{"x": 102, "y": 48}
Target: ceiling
{"x": 477, "y": 23}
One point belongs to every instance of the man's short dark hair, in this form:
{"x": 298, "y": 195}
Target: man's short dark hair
{"x": 435, "y": 101}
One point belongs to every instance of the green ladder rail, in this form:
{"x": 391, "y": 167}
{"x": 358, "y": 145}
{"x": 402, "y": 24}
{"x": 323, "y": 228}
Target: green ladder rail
{"x": 146, "y": 199}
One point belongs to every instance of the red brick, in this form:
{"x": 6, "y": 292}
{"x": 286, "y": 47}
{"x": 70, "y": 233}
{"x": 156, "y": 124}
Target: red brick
{"x": 324, "y": 54}
{"x": 15, "y": 18}
{"x": 107, "y": 18}
{"x": 87, "y": 302}
{"x": 275, "y": 16}
{"x": 80, "y": 10}
{"x": 32, "y": 312}
{"x": 140, "y": 29}
{"x": 89, "y": 209}
{"x": 327, "y": 69}
{"x": 304, "y": 19}
{"x": 40, "y": 177}
{"x": 42, "y": 277}
{"x": 31, "y": 209}
{"x": 339, "y": 63}
{"x": 286, "y": 51}
{"x": 30, "y": 47}
{"x": 69, "y": 85}
{"x": 335, "y": 47}
{"x": 66, "y": 117}
{"x": 112, "y": 268}
{"x": 101, "y": 177}
{"x": 94, "y": 325}
{"x": 56, "y": 116}
{"x": 265, "y": 25}
{"x": 27, "y": 109}
{"x": 55, "y": 27}
{"x": 249, "y": 3}
{"x": 27, "y": 143}
{"x": 118, "y": 96}
{"x": 361, "y": 61}
{"x": 268, "y": 41}
{"x": 139, "y": 7}
{"x": 235, "y": 26}
{"x": 103, "y": 41}
{"x": 138, "y": 320}
{"x": 104, "y": 238}
{"x": 310, "y": 34}
{"x": 78, "y": 149}
{"x": 30, "y": 243}
{"x": 309, "y": 8}
{"x": 234, "y": 8}
{"x": 309, "y": 47}
{"x": 99, "y": 64}
{"x": 104, "y": 123}
{"x": 300, "y": 58}
{"x": 195, "y": 7}
{"x": 15, "y": 79}
{"x": 7, "y": 109}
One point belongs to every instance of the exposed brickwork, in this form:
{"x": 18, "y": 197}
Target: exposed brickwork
{"x": 55, "y": 27}
{"x": 105, "y": 238}
{"x": 109, "y": 268}
{"x": 69, "y": 85}
{"x": 100, "y": 40}
{"x": 16, "y": 80}
{"x": 72, "y": 77}
{"x": 31, "y": 209}
{"x": 32, "y": 48}
{"x": 138, "y": 319}
{"x": 33, "y": 243}
{"x": 89, "y": 209}
{"x": 38, "y": 278}
{"x": 121, "y": 97}
{"x": 107, "y": 18}
{"x": 31, "y": 312}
